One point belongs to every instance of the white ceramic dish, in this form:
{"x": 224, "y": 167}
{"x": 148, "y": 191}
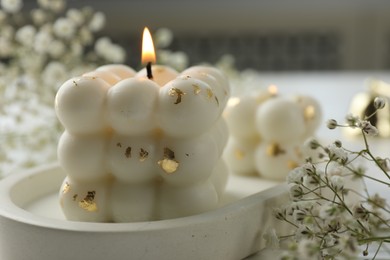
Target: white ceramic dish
{"x": 32, "y": 226}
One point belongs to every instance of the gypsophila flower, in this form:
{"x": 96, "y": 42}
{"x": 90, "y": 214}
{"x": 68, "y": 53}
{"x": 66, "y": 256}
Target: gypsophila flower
{"x": 308, "y": 249}
{"x": 331, "y": 228}
{"x": 5, "y": 47}
{"x": 377, "y": 201}
{"x": 38, "y": 16}
{"x": 337, "y": 153}
{"x": 314, "y": 144}
{"x": 279, "y": 213}
{"x": 38, "y": 58}
{"x": 303, "y": 232}
{"x": 384, "y": 163}
{"x": 328, "y": 210}
{"x": 97, "y": 22}
{"x": 54, "y": 74}
{"x": 360, "y": 212}
{"x": 331, "y": 124}
{"x": 12, "y": 6}
{"x": 379, "y": 102}
{"x": 56, "y": 48}
{"x": 296, "y": 175}
{"x": 352, "y": 120}
{"x": 368, "y": 128}
{"x": 42, "y": 41}
{"x": 296, "y": 192}
{"x": 75, "y": 16}
{"x": 25, "y": 34}
{"x": 337, "y": 182}
{"x": 299, "y": 215}
{"x": 64, "y": 28}
{"x": 52, "y": 5}
{"x": 163, "y": 37}
{"x": 311, "y": 181}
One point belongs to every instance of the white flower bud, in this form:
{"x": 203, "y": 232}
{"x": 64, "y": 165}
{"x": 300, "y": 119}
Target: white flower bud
{"x": 331, "y": 124}
{"x": 379, "y": 102}
{"x": 11, "y": 6}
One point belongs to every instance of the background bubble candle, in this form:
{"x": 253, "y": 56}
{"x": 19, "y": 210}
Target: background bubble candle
{"x": 268, "y": 132}
{"x": 142, "y": 146}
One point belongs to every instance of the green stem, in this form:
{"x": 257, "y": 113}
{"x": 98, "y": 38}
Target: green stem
{"x": 377, "y": 250}
{"x": 372, "y": 157}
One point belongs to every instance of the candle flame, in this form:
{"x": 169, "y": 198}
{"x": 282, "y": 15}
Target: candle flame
{"x": 148, "y": 53}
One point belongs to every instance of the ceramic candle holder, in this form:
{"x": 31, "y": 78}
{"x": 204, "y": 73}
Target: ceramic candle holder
{"x": 139, "y": 149}
{"x": 33, "y": 226}
{"x": 268, "y": 131}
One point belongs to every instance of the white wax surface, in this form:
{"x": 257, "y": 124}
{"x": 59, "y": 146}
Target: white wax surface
{"x": 238, "y": 187}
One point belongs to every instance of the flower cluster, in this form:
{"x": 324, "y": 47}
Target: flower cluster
{"x": 330, "y": 216}
{"x": 39, "y": 50}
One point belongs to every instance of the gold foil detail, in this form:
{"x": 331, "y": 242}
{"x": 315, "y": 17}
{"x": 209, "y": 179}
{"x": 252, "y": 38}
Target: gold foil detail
{"x": 66, "y": 188}
{"x": 197, "y": 89}
{"x": 75, "y": 83}
{"x": 176, "y": 92}
{"x": 239, "y": 154}
{"x": 143, "y": 155}
{"x": 75, "y": 197}
{"x": 119, "y": 144}
{"x": 88, "y": 203}
{"x": 210, "y": 93}
{"x": 274, "y": 150}
{"x": 168, "y": 163}
{"x": 128, "y": 152}
{"x": 292, "y": 164}
{"x": 309, "y": 113}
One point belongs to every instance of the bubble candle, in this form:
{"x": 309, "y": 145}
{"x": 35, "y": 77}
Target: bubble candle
{"x": 141, "y": 146}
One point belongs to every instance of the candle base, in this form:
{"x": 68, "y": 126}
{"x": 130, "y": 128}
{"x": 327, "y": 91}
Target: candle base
{"x": 32, "y": 224}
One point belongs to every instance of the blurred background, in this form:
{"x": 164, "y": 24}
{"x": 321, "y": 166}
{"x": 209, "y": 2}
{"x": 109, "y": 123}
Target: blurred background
{"x": 266, "y": 35}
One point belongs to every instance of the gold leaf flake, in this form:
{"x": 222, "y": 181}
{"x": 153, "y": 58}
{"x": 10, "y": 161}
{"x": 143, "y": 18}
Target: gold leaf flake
{"x": 309, "y": 113}
{"x": 292, "y": 164}
{"x": 143, "y": 155}
{"x": 160, "y": 69}
{"x": 128, "y": 152}
{"x": 169, "y": 166}
{"x": 239, "y": 154}
{"x": 66, "y": 188}
{"x": 75, "y": 83}
{"x": 176, "y": 92}
{"x": 75, "y": 197}
{"x": 168, "y": 163}
{"x": 88, "y": 203}
{"x": 197, "y": 89}
{"x": 274, "y": 150}
{"x": 210, "y": 93}
{"x": 119, "y": 144}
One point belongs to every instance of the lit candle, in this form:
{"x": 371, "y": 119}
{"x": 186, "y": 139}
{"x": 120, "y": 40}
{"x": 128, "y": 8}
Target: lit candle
{"x": 142, "y": 146}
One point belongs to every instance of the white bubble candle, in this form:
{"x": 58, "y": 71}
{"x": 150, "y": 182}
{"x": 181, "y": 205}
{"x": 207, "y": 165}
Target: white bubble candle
{"x": 268, "y": 131}
{"x": 142, "y": 146}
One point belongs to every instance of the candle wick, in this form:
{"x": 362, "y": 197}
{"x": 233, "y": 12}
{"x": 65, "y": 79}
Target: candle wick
{"x": 149, "y": 70}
